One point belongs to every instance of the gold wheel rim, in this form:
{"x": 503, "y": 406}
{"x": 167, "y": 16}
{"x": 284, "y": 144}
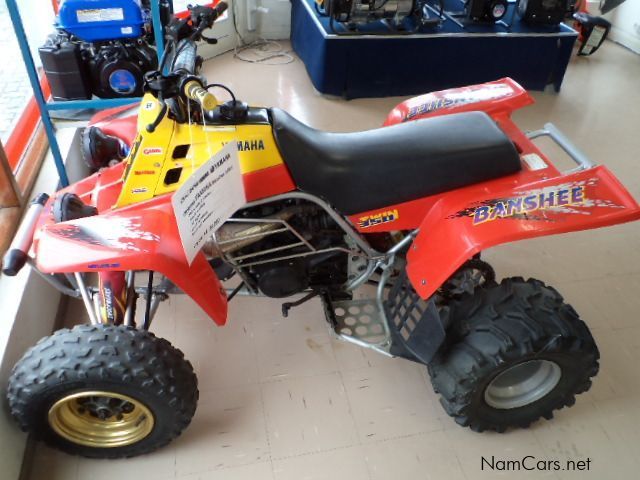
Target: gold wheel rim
{"x": 101, "y": 419}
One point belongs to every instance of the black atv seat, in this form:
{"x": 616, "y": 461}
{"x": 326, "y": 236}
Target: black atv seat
{"x": 357, "y": 172}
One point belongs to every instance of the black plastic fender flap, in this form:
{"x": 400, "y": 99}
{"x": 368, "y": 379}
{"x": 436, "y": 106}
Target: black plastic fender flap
{"x": 416, "y": 327}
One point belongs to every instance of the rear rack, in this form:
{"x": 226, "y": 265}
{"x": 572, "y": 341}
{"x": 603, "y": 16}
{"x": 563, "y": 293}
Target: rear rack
{"x": 577, "y": 155}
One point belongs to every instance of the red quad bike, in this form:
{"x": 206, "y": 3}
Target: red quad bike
{"x": 401, "y": 213}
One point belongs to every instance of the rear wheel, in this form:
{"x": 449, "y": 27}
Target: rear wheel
{"x": 103, "y": 391}
{"x": 517, "y": 353}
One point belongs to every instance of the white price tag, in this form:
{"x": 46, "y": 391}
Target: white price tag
{"x": 208, "y": 198}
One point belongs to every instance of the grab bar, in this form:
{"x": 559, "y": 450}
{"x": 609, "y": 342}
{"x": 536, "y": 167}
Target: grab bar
{"x": 577, "y": 155}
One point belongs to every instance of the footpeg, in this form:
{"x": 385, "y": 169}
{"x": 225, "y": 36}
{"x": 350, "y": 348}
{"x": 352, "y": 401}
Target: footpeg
{"x": 359, "y": 322}
{"x": 360, "y": 319}
{"x": 407, "y": 326}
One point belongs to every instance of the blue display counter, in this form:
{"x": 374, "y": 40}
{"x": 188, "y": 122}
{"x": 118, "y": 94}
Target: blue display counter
{"x": 366, "y": 65}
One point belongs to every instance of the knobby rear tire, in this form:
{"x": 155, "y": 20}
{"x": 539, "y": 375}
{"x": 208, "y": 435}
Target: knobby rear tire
{"x": 502, "y": 326}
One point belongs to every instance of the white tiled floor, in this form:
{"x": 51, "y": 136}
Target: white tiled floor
{"x": 281, "y": 400}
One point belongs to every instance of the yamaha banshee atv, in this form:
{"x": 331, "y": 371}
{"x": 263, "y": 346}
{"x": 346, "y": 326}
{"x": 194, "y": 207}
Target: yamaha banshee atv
{"x": 401, "y": 213}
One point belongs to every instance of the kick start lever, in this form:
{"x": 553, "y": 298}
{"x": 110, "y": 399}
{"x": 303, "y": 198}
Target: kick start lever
{"x": 289, "y": 305}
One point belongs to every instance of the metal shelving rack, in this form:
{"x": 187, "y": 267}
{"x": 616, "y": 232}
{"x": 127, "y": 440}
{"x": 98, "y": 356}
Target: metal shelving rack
{"x": 46, "y": 107}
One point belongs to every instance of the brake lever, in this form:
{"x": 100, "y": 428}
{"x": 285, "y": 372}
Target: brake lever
{"x": 209, "y": 40}
{"x": 197, "y": 33}
{"x": 163, "y": 111}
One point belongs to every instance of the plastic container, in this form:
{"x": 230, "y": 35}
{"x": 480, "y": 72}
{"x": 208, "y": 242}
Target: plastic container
{"x": 96, "y": 20}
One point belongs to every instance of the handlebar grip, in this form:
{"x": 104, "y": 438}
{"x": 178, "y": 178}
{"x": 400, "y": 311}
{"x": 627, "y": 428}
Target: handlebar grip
{"x": 195, "y": 92}
{"x": 18, "y": 252}
{"x": 220, "y": 8}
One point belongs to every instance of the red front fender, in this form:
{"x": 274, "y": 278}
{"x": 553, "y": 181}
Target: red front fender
{"x": 141, "y": 237}
{"x": 459, "y": 226}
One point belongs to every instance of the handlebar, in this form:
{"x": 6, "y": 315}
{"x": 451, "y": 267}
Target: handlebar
{"x": 193, "y": 90}
{"x": 183, "y": 61}
{"x": 186, "y": 57}
{"x": 182, "y": 33}
{"x": 18, "y": 252}
{"x": 203, "y": 17}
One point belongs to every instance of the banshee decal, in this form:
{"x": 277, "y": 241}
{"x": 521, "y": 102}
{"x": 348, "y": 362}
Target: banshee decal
{"x": 456, "y": 97}
{"x": 537, "y": 205}
{"x": 528, "y": 204}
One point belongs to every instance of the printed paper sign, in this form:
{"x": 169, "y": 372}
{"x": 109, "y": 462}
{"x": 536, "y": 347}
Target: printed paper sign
{"x": 208, "y": 198}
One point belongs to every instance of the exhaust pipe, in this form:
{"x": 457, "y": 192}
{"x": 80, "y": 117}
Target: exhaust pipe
{"x": 233, "y": 236}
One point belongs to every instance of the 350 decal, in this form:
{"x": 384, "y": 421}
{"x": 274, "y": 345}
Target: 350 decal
{"x": 378, "y": 218}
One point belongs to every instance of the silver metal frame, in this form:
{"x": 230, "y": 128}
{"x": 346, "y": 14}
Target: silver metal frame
{"x": 577, "y": 155}
{"x": 235, "y": 260}
{"x": 386, "y": 264}
{"x": 86, "y": 299}
{"x": 55, "y": 282}
{"x": 362, "y": 247}
{"x": 131, "y": 298}
{"x": 346, "y": 226}
{"x": 90, "y": 297}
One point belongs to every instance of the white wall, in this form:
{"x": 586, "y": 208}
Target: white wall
{"x": 276, "y": 23}
{"x": 255, "y": 19}
{"x": 271, "y": 19}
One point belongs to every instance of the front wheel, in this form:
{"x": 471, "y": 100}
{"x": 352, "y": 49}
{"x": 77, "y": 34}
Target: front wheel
{"x": 517, "y": 353}
{"x": 103, "y": 391}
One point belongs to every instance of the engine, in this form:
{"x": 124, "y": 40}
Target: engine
{"x": 282, "y": 249}
{"x": 101, "y": 47}
{"x": 486, "y": 10}
{"x": 362, "y": 11}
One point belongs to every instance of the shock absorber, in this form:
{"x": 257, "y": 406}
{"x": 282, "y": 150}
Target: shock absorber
{"x": 112, "y": 297}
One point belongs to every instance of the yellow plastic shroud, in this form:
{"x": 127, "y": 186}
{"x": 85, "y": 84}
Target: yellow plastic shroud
{"x": 161, "y": 161}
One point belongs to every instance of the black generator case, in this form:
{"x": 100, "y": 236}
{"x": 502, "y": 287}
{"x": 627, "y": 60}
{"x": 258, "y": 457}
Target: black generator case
{"x": 544, "y": 12}
{"x": 486, "y": 11}
{"x": 65, "y": 71}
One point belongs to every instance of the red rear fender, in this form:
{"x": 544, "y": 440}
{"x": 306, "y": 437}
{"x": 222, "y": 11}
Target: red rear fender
{"x": 497, "y": 98}
{"x": 459, "y": 226}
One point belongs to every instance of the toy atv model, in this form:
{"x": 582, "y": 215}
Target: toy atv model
{"x": 407, "y": 207}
